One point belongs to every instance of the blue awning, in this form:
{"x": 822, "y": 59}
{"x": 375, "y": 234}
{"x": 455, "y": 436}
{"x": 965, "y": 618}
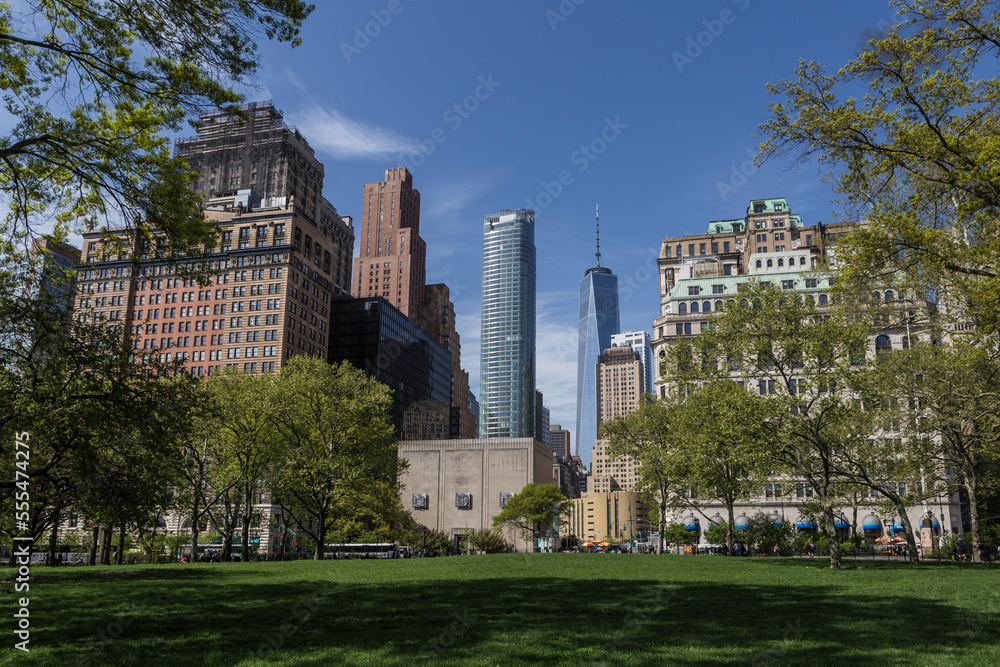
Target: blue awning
{"x": 742, "y": 522}
{"x": 871, "y": 523}
{"x": 897, "y": 526}
{"x": 841, "y": 524}
{"x": 935, "y": 525}
{"x": 805, "y": 524}
{"x": 691, "y": 523}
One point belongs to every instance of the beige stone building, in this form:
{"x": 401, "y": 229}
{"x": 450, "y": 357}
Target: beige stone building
{"x": 614, "y": 516}
{"x": 458, "y": 486}
{"x": 620, "y": 385}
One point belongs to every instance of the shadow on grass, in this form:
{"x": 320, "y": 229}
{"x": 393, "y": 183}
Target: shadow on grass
{"x": 180, "y": 616}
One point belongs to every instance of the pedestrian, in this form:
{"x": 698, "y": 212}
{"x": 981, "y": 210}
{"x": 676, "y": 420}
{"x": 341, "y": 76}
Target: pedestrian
{"x": 811, "y": 549}
{"x": 777, "y": 551}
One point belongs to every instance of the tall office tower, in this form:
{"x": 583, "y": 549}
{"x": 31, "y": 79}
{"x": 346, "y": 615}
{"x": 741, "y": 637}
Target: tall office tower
{"x": 392, "y": 259}
{"x": 640, "y": 344}
{"x": 261, "y": 153}
{"x": 620, "y": 378}
{"x": 507, "y": 354}
{"x": 437, "y": 318}
{"x": 559, "y": 441}
{"x": 598, "y": 321}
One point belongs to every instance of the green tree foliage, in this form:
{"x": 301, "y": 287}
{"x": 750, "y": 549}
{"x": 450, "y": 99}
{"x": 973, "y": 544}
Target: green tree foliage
{"x": 722, "y": 455}
{"x": 335, "y": 442}
{"x": 92, "y": 85}
{"x": 763, "y": 533}
{"x": 489, "y": 540}
{"x": 677, "y": 534}
{"x": 802, "y": 361}
{"x": 647, "y": 435}
{"x": 534, "y": 510}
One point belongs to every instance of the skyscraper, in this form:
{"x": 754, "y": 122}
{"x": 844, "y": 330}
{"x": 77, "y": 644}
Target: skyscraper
{"x": 507, "y": 357}
{"x": 640, "y": 344}
{"x": 598, "y": 321}
{"x": 392, "y": 256}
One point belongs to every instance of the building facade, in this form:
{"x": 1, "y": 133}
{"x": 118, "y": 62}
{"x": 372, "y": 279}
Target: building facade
{"x": 376, "y": 337}
{"x": 437, "y": 318}
{"x": 639, "y": 341}
{"x": 392, "y": 257}
{"x": 266, "y": 299}
{"x": 702, "y": 274}
{"x": 612, "y": 516}
{"x": 458, "y": 486}
{"x": 507, "y": 354}
{"x": 620, "y": 378}
{"x": 599, "y": 320}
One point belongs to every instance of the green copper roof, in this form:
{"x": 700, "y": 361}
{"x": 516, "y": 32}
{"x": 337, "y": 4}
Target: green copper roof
{"x": 768, "y": 204}
{"x": 723, "y": 226}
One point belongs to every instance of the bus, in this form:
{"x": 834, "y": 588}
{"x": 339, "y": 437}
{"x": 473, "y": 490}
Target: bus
{"x": 374, "y": 550}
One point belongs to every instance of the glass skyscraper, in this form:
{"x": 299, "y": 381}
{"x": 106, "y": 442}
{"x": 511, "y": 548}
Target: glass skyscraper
{"x": 507, "y": 356}
{"x": 598, "y": 321}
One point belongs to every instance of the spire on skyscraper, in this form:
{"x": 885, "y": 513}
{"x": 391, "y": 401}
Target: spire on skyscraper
{"x": 597, "y": 219}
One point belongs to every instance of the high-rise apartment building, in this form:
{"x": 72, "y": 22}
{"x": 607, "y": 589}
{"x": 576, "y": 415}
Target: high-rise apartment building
{"x": 620, "y": 379}
{"x": 266, "y": 300}
{"x": 598, "y": 321}
{"x": 507, "y": 357}
{"x": 392, "y": 256}
{"x": 559, "y": 441}
{"x": 640, "y": 343}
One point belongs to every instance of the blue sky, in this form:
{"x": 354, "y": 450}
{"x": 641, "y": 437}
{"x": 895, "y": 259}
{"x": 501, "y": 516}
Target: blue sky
{"x": 677, "y": 90}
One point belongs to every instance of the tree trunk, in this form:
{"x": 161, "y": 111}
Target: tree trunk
{"x": 731, "y": 532}
{"x": 93, "y": 546}
{"x": 904, "y": 520}
{"x": 662, "y": 522}
{"x": 106, "y": 557}
{"x": 830, "y": 529}
{"x": 245, "y": 533}
{"x": 970, "y": 484}
{"x": 121, "y": 545}
{"x": 104, "y": 543}
{"x": 194, "y": 527}
{"x": 54, "y": 539}
{"x": 320, "y": 540}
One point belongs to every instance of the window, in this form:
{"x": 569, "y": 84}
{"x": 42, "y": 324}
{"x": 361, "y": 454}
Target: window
{"x": 694, "y": 306}
{"x": 781, "y": 261}
{"x": 694, "y": 291}
{"x": 725, "y": 246}
{"x": 702, "y": 249}
{"x": 810, "y": 282}
{"x": 889, "y": 296}
{"x": 770, "y": 263}
{"x": 822, "y": 299}
{"x": 787, "y": 284}
{"x": 715, "y": 248}
{"x": 758, "y": 207}
{"x": 682, "y": 308}
{"x": 690, "y": 249}
{"x": 759, "y": 264}
{"x": 706, "y": 307}
{"x": 666, "y": 251}
{"x": 882, "y": 345}
{"x": 717, "y": 289}
{"x": 718, "y": 305}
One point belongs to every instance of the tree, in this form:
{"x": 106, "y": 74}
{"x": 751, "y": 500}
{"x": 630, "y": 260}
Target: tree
{"x": 723, "y": 451}
{"x": 534, "y": 510}
{"x": 92, "y": 85}
{"x": 802, "y": 362}
{"x": 335, "y": 442}
{"x": 678, "y": 534}
{"x": 647, "y": 435}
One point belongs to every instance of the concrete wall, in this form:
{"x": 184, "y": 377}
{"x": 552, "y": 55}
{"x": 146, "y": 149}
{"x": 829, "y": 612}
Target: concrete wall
{"x": 483, "y": 468}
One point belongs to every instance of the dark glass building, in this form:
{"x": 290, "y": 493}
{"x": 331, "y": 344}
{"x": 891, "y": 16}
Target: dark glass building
{"x": 376, "y": 337}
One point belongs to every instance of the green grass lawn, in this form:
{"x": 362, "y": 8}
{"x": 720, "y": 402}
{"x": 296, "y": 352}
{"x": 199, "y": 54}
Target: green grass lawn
{"x": 558, "y": 609}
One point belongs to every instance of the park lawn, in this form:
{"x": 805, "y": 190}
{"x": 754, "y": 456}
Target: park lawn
{"x": 512, "y": 609}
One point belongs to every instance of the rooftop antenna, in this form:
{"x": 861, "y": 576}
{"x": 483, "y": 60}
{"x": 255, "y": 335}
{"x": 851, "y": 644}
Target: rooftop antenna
{"x": 597, "y": 219}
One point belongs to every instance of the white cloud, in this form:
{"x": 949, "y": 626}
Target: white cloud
{"x": 341, "y": 137}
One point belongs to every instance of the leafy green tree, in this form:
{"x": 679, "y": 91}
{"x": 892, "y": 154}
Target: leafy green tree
{"x": 91, "y": 87}
{"x": 677, "y": 534}
{"x": 335, "y": 442}
{"x": 534, "y": 510}
{"x": 489, "y": 540}
{"x": 763, "y": 533}
{"x": 801, "y": 360}
{"x": 723, "y": 452}
{"x": 647, "y": 435}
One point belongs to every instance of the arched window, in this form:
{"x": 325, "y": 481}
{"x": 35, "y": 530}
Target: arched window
{"x": 781, "y": 261}
{"x": 759, "y": 264}
{"x": 810, "y": 300}
{"x": 770, "y": 263}
{"x": 731, "y": 302}
{"x": 802, "y": 260}
{"x": 743, "y": 303}
{"x": 694, "y": 306}
{"x": 889, "y": 296}
{"x": 877, "y": 296}
{"x": 905, "y": 341}
{"x": 706, "y": 307}
{"x": 882, "y": 344}
{"x": 718, "y": 305}
{"x": 682, "y": 308}
{"x": 822, "y": 299}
